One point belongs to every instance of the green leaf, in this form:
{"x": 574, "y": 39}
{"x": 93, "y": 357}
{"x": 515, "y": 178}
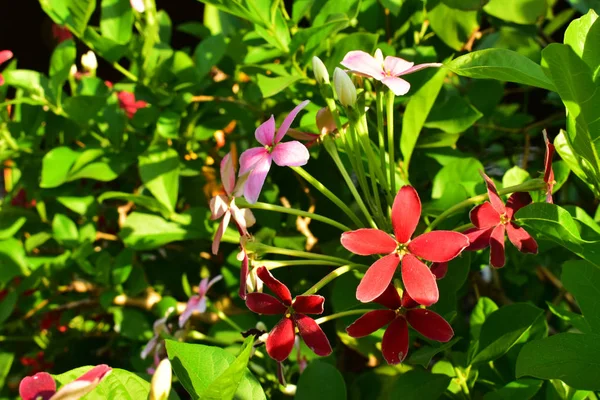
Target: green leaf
{"x": 104, "y": 47}
{"x": 12, "y": 260}
{"x": 312, "y": 38}
{"x": 483, "y": 309}
{"x": 424, "y": 355}
{"x": 522, "y": 389}
{"x": 56, "y": 165}
{"x": 501, "y": 64}
{"x": 7, "y": 305}
{"x": 168, "y": 124}
{"x": 10, "y": 223}
{"x": 64, "y": 230}
{"x": 159, "y": 170}
{"x": 208, "y": 53}
{"x": 462, "y": 171}
{"x": 119, "y": 384}
{"x": 354, "y": 41}
{"x": 123, "y": 266}
{"x": 576, "y": 320}
{"x": 419, "y": 385}
{"x": 582, "y": 280}
{"x": 416, "y": 113}
{"x": 271, "y": 86}
{"x": 321, "y": 380}
{"x": 526, "y": 12}
{"x": 36, "y": 84}
{"x": 515, "y": 176}
{"x": 577, "y": 32}
{"x": 6, "y": 360}
{"x": 150, "y": 203}
{"x": 452, "y": 25}
{"x": 80, "y": 205}
{"x": 454, "y": 115}
{"x": 197, "y": 366}
{"x": 116, "y": 20}
{"x": 465, "y": 4}
{"x": 62, "y": 59}
{"x": 226, "y": 385}
{"x": 571, "y": 357}
{"x": 555, "y": 223}
{"x": 84, "y": 109}
{"x": 502, "y": 329}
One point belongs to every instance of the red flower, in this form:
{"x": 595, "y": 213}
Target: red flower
{"x": 281, "y": 338}
{"x": 418, "y": 279}
{"x": 492, "y": 219}
{"x": 400, "y": 314}
{"x": 60, "y": 33}
{"x": 127, "y": 102}
{"x": 548, "y": 172}
{"x": 42, "y": 386}
{"x": 5, "y": 55}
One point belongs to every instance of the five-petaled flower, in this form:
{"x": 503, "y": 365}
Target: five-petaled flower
{"x": 223, "y": 205}
{"x": 387, "y": 71}
{"x": 5, "y": 55}
{"x": 281, "y": 338}
{"x": 41, "y": 386}
{"x": 548, "y": 172}
{"x": 197, "y": 303}
{"x": 128, "y": 103}
{"x": 257, "y": 160}
{"x": 493, "y": 219}
{"x": 436, "y": 246}
{"x": 400, "y": 314}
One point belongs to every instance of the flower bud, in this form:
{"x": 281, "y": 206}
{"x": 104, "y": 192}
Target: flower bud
{"x": 161, "y": 381}
{"x": 73, "y": 71}
{"x": 89, "y": 61}
{"x": 325, "y": 121}
{"x": 320, "y": 71}
{"x": 344, "y": 88}
{"x": 138, "y": 5}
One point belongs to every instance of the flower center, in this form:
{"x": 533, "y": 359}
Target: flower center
{"x": 269, "y": 149}
{"x": 402, "y": 249}
{"x": 504, "y": 219}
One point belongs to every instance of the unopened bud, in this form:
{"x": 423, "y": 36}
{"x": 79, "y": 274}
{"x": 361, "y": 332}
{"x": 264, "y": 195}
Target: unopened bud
{"x": 320, "y": 71}
{"x": 138, "y": 5}
{"x": 73, "y": 70}
{"x": 325, "y": 121}
{"x": 161, "y": 381}
{"x": 344, "y": 88}
{"x": 89, "y": 61}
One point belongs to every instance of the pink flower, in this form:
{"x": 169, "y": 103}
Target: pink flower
{"x": 5, "y": 55}
{"x": 138, "y": 5}
{"x": 242, "y": 256}
{"x": 198, "y": 302}
{"x": 386, "y": 71}
{"x": 223, "y": 205}
{"x": 257, "y": 161}
{"x": 159, "y": 327}
{"x": 128, "y": 104}
{"x": 419, "y": 281}
{"x": 41, "y": 386}
{"x": 548, "y": 172}
{"x": 280, "y": 342}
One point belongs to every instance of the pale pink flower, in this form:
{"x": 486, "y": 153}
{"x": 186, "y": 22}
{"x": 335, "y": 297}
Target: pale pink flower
{"x": 197, "y": 303}
{"x": 5, "y": 55}
{"x": 257, "y": 161}
{"x": 159, "y": 327}
{"x": 387, "y": 71}
{"x": 42, "y": 385}
{"x": 138, "y": 5}
{"x": 223, "y": 205}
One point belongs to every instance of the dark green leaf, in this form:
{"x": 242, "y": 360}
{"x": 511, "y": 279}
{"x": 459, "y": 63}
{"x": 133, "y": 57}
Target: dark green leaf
{"x": 62, "y": 59}
{"x": 6, "y": 360}
{"x": 321, "y": 380}
{"x": 116, "y": 20}
{"x": 419, "y": 385}
{"x": 523, "y": 389}
{"x": 483, "y": 309}
{"x": 452, "y": 25}
{"x": 208, "y": 53}
{"x": 424, "y": 355}
{"x": 159, "y": 170}
{"x": 12, "y": 260}
{"x": 582, "y": 280}
{"x": 147, "y": 202}
{"x": 7, "y": 305}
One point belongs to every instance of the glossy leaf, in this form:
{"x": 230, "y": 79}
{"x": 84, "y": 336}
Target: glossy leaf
{"x": 159, "y": 170}
{"x": 321, "y": 380}
{"x": 116, "y": 20}
{"x": 524, "y": 12}
{"x": 582, "y": 279}
{"x": 483, "y": 309}
{"x": 524, "y": 388}
{"x": 419, "y": 384}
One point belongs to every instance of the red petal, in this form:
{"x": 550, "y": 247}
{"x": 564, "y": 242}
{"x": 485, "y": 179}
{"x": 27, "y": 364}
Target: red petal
{"x": 439, "y": 269}
{"x": 430, "y": 324}
{"x": 548, "y": 172}
{"x": 276, "y": 287}
{"x": 497, "y": 247}
{"x": 262, "y": 303}
{"x": 521, "y": 239}
{"x": 394, "y": 345}
{"x": 407, "y": 301}
{"x": 378, "y": 277}
{"x": 96, "y": 373}
{"x": 243, "y": 276}
{"x": 370, "y": 322}
{"x": 515, "y": 202}
{"x": 406, "y": 212}
{"x": 418, "y": 281}
{"x": 484, "y": 216}
{"x": 39, "y": 386}
{"x": 366, "y": 242}
{"x": 479, "y": 238}
{"x": 309, "y": 304}
{"x": 495, "y": 199}
{"x": 439, "y": 246}
{"x": 389, "y": 298}
{"x": 313, "y": 335}
{"x": 281, "y": 340}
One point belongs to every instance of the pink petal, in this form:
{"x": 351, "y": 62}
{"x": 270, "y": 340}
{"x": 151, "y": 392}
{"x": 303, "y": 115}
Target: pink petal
{"x": 397, "y": 85}
{"x": 389, "y": 298}
{"x": 419, "y": 67}
{"x": 2, "y": 80}
{"x": 378, "y": 277}
{"x": 325, "y": 121}
{"x": 239, "y": 218}
{"x": 394, "y": 345}
{"x": 97, "y": 373}
{"x": 363, "y": 63}
{"x": 287, "y": 122}
{"x": 204, "y": 288}
{"x": 497, "y": 247}
{"x": 406, "y": 212}
{"x": 515, "y": 202}
{"x": 312, "y": 304}
{"x": 439, "y": 270}
{"x": 250, "y": 158}
{"x": 484, "y": 216}
{"x": 313, "y": 335}
{"x": 228, "y": 174}
{"x": 152, "y": 343}
{"x": 548, "y": 172}
{"x": 256, "y": 179}
{"x": 280, "y": 290}
{"x": 368, "y": 241}
{"x": 418, "y": 281}
{"x": 479, "y": 238}
{"x": 265, "y": 133}
{"x": 439, "y": 246}
{"x": 429, "y": 324}
{"x": 396, "y": 65}
{"x": 39, "y": 386}
{"x": 243, "y": 275}
{"x": 218, "y": 206}
{"x": 262, "y": 303}
{"x": 5, "y": 55}
{"x": 281, "y": 340}
{"x": 521, "y": 239}
{"x": 219, "y": 234}
{"x": 290, "y": 154}
{"x": 370, "y": 322}
{"x": 190, "y": 307}
{"x": 495, "y": 199}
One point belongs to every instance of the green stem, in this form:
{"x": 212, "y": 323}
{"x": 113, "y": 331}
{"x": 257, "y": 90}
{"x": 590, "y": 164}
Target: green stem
{"x": 330, "y": 277}
{"x": 529, "y": 186}
{"x": 390, "y": 131}
{"x": 381, "y": 136}
{"x": 363, "y": 134}
{"x": 327, "y": 193}
{"x": 265, "y": 249}
{"x": 462, "y": 381}
{"x": 195, "y": 335}
{"x": 273, "y": 264}
{"x": 354, "y": 152}
{"x": 342, "y": 314}
{"x": 463, "y": 228}
{"x": 242, "y": 203}
{"x": 226, "y": 319}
